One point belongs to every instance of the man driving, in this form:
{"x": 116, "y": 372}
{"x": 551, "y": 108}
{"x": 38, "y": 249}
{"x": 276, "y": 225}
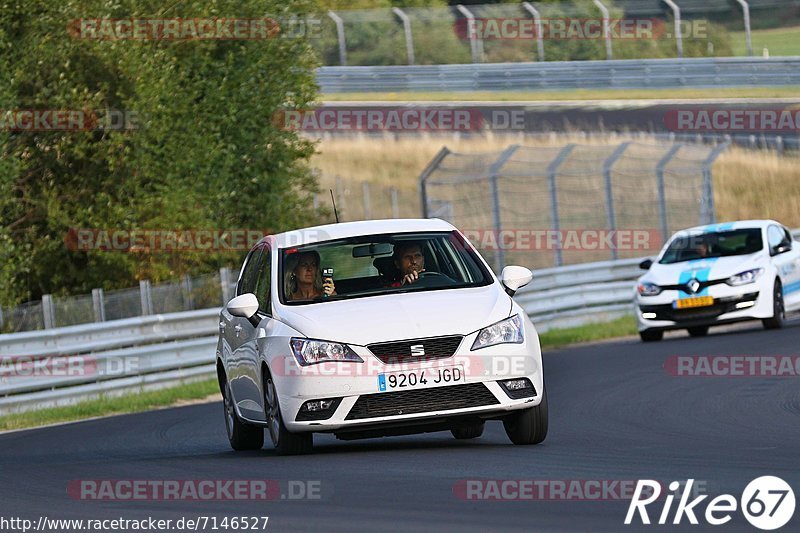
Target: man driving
{"x": 409, "y": 261}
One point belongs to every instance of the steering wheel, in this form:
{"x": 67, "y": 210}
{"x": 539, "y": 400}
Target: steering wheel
{"x": 427, "y": 274}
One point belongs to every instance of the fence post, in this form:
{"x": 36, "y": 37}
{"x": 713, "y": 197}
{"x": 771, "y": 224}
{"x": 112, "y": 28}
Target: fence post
{"x": 606, "y": 28}
{"x": 662, "y": 201}
{"x": 708, "y": 213}
{"x": 610, "y": 213}
{"x": 395, "y": 203}
{"x": 48, "y": 311}
{"x": 187, "y": 289}
{"x": 99, "y": 305}
{"x": 494, "y": 175}
{"x": 225, "y": 285}
{"x": 1, "y": 319}
{"x": 537, "y": 20}
{"x": 407, "y": 29}
{"x": 678, "y": 37}
{"x": 340, "y": 35}
{"x": 365, "y": 194}
{"x": 427, "y": 171}
{"x": 552, "y": 170}
{"x": 475, "y": 44}
{"x": 748, "y": 37}
{"x": 145, "y": 297}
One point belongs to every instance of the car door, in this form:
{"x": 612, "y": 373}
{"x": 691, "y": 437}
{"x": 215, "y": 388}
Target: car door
{"x": 234, "y": 329}
{"x": 786, "y": 258}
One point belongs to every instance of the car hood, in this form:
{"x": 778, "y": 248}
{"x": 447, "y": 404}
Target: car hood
{"x": 412, "y": 315}
{"x": 703, "y": 269}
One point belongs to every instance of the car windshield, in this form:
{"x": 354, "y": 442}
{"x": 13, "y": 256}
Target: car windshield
{"x": 709, "y": 245}
{"x": 379, "y": 264}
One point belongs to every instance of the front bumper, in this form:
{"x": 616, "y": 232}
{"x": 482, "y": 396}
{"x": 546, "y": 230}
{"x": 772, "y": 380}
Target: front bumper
{"x": 359, "y": 402}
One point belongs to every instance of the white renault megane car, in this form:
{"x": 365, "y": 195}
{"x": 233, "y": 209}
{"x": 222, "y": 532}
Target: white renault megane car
{"x": 376, "y": 328}
{"x": 719, "y": 274}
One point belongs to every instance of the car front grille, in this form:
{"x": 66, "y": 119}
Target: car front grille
{"x": 421, "y": 401}
{"x": 401, "y": 351}
{"x": 720, "y": 307}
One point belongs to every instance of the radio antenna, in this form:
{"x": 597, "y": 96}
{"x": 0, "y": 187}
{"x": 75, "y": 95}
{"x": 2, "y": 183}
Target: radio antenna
{"x": 334, "y": 206}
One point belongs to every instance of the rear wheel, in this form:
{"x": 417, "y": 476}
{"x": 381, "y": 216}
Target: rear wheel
{"x": 651, "y": 335}
{"x": 778, "y": 309}
{"x": 699, "y": 331}
{"x": 285, "y": 442}
{"x": 528, "y": 426}
{"x": 241, "y": 436}
{"x": 468, "y": 432}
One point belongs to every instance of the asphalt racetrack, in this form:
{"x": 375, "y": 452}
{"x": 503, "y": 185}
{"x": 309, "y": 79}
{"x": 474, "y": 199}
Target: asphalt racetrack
{"x": 615, "y": 414}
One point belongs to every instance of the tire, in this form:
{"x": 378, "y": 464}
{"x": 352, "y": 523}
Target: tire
{"x": 468, "y": 432}
{"x": 241, "y": 436}
{"x": 698, "y": 331}
{"x": 528, "y": 426}
{"x": 651, "y": 335}
{"x": 778, "y": 309}
{"x": 284, "y": 441}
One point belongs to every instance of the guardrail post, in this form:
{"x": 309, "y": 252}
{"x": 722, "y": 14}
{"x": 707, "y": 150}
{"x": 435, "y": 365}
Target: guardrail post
{"x": 407, "y": 29}
{"x": 48, "y": 311}
{"x": 395, "y": 203}
{"x": 340, "y": 36}
{"x": 475, "y": 43}
{"x": 676, "y": 11}
{"x": 225, "y": 285}
{"x": 610, "y": 213}
{"x": 552, "y": 170}
{"x": 423, "y": 178}
{"x": 662, "y": 201}
{"x": 98, "y": 305}
{"x": 748, "y": 37}
{"x": 537, "y": 20}
{"x": 606, "y": 28}
{"x": 708, "y": 213}
{"x": 145, "y": 297}
{"x": 365, "y": 194}
{"x": 494, "y": 175}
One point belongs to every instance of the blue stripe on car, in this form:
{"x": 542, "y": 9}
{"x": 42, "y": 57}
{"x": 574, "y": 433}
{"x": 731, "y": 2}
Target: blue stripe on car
{"x": 791, "y": 287}
{"x": 700, "y": 274}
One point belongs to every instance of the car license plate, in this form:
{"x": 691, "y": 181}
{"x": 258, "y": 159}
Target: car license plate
{"x": 688, "y": 303}
{"x": 418, "y": 379}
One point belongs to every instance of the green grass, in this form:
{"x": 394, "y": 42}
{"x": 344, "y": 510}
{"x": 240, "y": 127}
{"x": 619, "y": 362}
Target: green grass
{"x": 575, "y": 94}
{"x": 135, "y": 403}
{"x": 779, "y": 42}
{"x": 557, "y": 338}
{"x": 129, "y": 403}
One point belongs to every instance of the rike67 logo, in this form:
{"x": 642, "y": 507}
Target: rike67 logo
{"x": 767, "y": 503}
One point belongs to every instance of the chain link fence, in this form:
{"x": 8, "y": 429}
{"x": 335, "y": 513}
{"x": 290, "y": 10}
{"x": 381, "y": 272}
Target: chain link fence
{"x": 553, "y": 31}
{"x": 550, "y": 206}
{"x": 186, "y": 294}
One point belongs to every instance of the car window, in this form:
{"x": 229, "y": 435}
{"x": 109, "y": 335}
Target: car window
{"x": 247, "y": 282}
{"x": 371, "y": 265}
{"x": 690, "y": 247}
{"x": 774, "y": 236}
{"x": 262, "y": 290}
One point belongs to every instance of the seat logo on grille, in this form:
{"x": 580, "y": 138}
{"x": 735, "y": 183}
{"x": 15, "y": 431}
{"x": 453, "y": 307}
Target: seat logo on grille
{"x": 417, "y": 349}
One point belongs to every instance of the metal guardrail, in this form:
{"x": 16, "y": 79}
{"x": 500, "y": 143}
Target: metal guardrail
{"x": 144, "y": 353}
{"x": 556, "y": 75}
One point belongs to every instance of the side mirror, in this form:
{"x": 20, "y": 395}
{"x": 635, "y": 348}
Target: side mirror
{"x": 515, "y": 277}
{"x": 783, "y": 247}
{"x": 244, "y": 306}
{"x": 646, "y": 264}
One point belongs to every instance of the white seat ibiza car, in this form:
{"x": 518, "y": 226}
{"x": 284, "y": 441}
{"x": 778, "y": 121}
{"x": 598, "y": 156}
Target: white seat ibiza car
{"x": 376, "y": 328}
{"x": 719, "y": 274}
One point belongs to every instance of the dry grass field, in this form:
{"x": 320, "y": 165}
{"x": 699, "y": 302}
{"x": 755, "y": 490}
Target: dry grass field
{"x": 747, "y": 183}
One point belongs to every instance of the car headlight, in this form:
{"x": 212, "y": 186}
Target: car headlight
{"x": 648, "y": 289}
{"x": 311, "y": 351}
{"x": 743, "y": 278}
{"x": 508, "y": 331}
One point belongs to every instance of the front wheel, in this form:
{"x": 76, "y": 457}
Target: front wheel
{"x": 528, "y": 426}
{"x": 241, "y": 436}
{"x": 778, "y": 309}
{"x": 651, "y": 335}
{"x": 284, "y": 441}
